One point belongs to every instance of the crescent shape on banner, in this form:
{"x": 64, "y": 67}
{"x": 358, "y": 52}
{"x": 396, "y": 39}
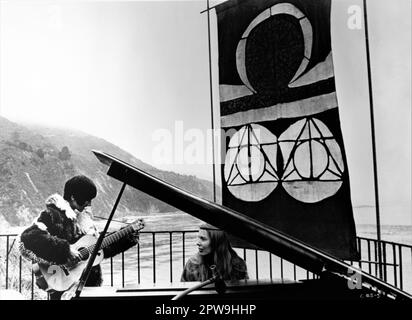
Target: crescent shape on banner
{"x": 322, "y": 71}
{"x": 280, "y": 8}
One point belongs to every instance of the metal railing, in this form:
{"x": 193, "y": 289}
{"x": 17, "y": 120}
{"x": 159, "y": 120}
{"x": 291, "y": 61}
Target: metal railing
{"x": 160, "y": 257}
{"x": 396, "y": 261}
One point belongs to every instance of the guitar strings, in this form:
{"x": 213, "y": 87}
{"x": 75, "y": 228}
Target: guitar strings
{"x": 85, "y": 252}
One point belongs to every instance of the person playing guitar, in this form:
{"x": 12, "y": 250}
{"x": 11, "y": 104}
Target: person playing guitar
{"x": 50, "y": 242}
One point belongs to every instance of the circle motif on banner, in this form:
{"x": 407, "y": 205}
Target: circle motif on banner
{"x": 313, "y": 162}
{"x": 250, "y": 163}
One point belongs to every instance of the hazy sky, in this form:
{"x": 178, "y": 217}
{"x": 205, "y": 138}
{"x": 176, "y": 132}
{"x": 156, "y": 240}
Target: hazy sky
{"x": 124, "y": 70}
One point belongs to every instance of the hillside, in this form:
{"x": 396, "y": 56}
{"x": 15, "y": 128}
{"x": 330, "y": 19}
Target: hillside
{"x": 36, "y": 161}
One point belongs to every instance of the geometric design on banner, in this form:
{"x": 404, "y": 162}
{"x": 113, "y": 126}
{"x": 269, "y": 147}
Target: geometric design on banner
{"x": 250, "y": 163}
{"x": 313, "y": 163}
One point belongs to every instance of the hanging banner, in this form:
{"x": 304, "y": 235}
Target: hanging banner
{"x": 284, "y": 162}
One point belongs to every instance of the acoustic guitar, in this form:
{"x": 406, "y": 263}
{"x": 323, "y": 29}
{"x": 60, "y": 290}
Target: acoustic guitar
{"x": 62, "y": 277}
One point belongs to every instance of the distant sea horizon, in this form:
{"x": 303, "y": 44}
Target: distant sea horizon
{"x": 392, "y": 233}
{"x": 183, "y": 221}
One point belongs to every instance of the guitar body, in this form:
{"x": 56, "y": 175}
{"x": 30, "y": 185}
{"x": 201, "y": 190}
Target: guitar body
{"x": 86, "y": 241}
{"x": 62, "y": 277}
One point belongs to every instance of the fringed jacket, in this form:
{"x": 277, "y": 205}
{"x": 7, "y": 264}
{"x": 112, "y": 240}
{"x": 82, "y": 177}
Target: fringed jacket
{"x": 49, "y": 238}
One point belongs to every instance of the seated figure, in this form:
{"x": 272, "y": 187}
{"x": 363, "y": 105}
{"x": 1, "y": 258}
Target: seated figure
{"x": 214, "y": 249}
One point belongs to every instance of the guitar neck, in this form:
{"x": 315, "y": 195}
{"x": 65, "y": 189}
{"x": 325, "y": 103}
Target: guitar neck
{"x": 107, "y": 241}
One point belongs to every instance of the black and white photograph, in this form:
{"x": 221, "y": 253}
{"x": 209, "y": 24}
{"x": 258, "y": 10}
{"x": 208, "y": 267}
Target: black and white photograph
{"x": 206, "y": 158}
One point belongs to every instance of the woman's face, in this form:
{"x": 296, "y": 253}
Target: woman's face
{"x": 203, "y": 242}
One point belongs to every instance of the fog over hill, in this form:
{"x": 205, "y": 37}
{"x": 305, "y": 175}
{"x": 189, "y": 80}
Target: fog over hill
{"x": 35, "y": 162}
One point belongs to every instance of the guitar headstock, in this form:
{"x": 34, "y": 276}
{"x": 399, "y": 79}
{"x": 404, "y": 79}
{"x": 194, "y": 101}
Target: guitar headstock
{"x": 138, "y": 225}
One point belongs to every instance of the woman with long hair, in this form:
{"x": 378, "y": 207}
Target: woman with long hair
{"x": 214, "y": 249}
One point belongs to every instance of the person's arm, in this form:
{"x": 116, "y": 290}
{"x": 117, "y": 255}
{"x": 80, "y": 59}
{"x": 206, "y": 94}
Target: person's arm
{"x": 37, "y": 240}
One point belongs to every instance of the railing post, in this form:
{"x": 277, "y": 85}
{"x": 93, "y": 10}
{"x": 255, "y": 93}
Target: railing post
{"x": 111, "y": 272}
{"x": 369, "y": 256}
{"x": 183, "y": 248}
{"x": 138, "y": 262}
{"x": 256, "y": 264}
{"x": 270, "y": 265}
{"x": 123, "y": 269}
{"x": 20, "y": 265}
{"x": 400, "y": 268}
{"x": 360, "y": 250}
{"x": 32, "y": 284}
{"x": 394, "y": 265}
{"x": 385, "y": 274}
{"x": 171, "y": 256}
{"x": 7, "y": 261}
{"x": 154, "y": 257}
{"x": 281, "y": 268}
{"x": 376, "y": 257}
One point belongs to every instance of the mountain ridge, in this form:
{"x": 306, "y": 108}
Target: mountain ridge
{"x": 35, "y": 162}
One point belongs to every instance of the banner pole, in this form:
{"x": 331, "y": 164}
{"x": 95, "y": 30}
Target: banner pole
{"x": 211, "y": 102}
{"x": 375, "y": 164}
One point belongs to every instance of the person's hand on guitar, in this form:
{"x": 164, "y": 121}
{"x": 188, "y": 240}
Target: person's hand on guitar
{"x": 75, "y": 255}
{"x": 137, "y": 226}
{"x": 135, "y": 236}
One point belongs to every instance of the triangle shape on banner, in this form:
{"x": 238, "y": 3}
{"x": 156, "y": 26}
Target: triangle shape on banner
{"x": 288, "y": 170}
{"x": 305, "y": 134}
{"x": 253, "y": 138}
{"x": 335, "y": 153}
{"x": 270, "y": 154}
{"x": 230, "y": 166}
{"x": 293, "y": 175}
{"x": 322, "y": 128}
{"x": 232, "y": 173}
{"x": 268, "y": 177}
{"x": 237, "y": 180}
{"x": 286, "y": 149}
{"x": 314, "y": 132}
{"x": 270, "y": 169}
{"x": 330, "y": 175}
{"x": 332, "y": 167}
